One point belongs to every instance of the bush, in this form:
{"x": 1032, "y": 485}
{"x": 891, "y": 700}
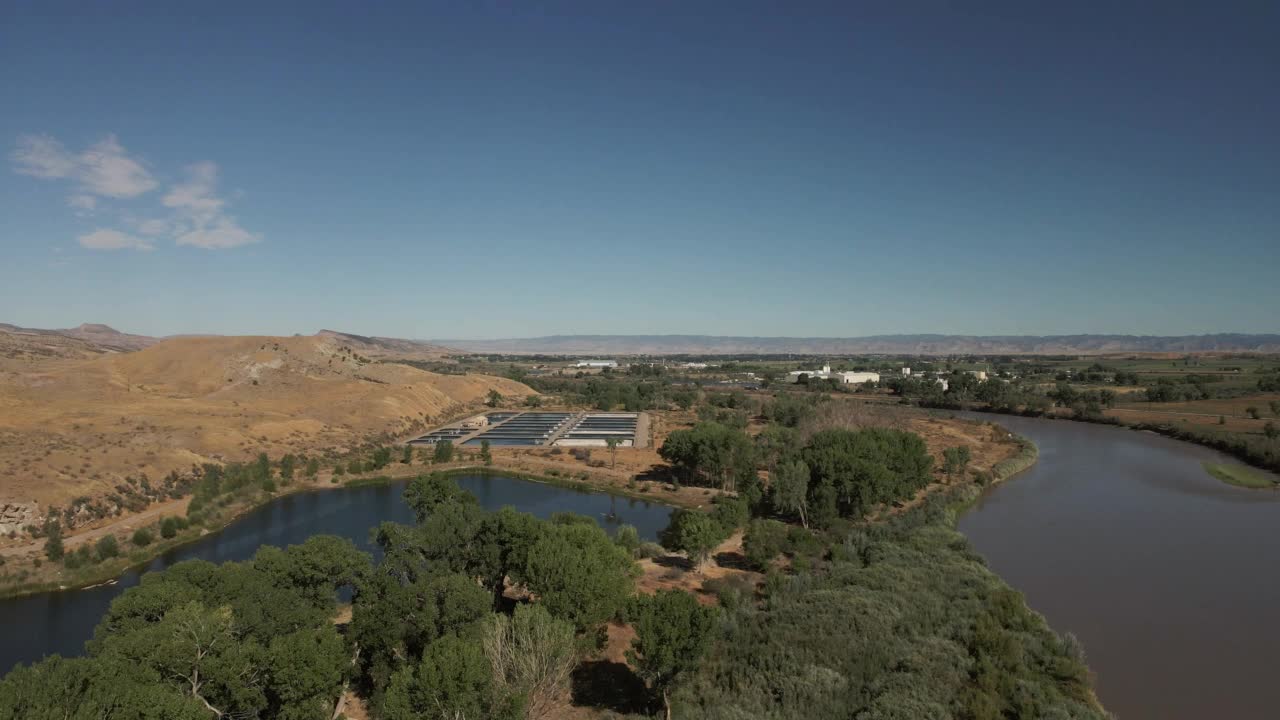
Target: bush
{"x": 764, "y": 541}
{"x": 628, "y": 538}
{"x": 649, "y": 550}
{"x": 107, "y": 548}
{"x": 168, "y": 527}
{"x": 142, "y": 537}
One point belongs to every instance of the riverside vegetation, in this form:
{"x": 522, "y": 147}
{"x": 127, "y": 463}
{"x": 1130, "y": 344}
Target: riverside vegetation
{"x": 865, "y": 611}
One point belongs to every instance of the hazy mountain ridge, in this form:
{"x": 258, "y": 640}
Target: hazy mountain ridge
{"x": 385, "y": 345}
{"x": 922, "y": 344}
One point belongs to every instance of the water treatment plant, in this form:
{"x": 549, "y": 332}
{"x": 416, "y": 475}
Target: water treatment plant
{"x": 533, "y": 429}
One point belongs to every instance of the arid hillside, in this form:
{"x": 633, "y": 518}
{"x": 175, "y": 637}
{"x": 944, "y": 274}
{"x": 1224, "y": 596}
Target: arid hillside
{"x": 76, "y": 427}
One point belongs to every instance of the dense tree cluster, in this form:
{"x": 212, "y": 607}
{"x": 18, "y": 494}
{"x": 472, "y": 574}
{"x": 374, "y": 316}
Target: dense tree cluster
{"x": 897, "y": 620}
{"x": 251, "y": 639}
{"x": 711, "y": 454}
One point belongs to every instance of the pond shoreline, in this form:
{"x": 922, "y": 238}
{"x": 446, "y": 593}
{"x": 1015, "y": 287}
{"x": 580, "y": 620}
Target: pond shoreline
{"x": 110, "y": 570}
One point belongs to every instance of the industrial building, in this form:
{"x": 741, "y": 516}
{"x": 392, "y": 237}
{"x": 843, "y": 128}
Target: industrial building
{"x": 845, "y": 377}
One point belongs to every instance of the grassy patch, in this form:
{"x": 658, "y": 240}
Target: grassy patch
{"x": 1238, "y": 475}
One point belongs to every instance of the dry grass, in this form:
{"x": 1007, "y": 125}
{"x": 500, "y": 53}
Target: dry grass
{"x": 71, "y": 427}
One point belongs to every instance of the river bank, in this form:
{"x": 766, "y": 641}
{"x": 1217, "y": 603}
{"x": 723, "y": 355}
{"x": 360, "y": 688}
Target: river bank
{"x": 1234, "y": 445}
{"x": 1123, "y": 540}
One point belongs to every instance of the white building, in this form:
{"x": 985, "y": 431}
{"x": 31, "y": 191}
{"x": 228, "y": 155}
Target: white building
{"x": 980, "y": 374}
{"x": 848, "y": 378}
{"x": 857, "y": 378}
{"x": 597, "y": 364}
{"x": 906, "y": 372}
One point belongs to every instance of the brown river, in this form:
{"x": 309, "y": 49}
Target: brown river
{"x": 1167, "y": 575}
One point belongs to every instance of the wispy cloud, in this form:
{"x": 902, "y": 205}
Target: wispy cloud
{"x": 196, "y": 213}
{"x": 103, "y": 239}
{"x": 105, "y": 169}
{"x": 200, "y": 212}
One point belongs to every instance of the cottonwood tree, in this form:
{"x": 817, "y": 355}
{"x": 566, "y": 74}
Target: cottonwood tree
{"x": 453, "y": 681}
{"x": 789, "y": 489}
{"x": 443, "y": 452}
{"x": 579, "y": 574}
{"x": 694, "y": 533}
{"x": 532, "y": 655}
{"x": 673, "y": 632}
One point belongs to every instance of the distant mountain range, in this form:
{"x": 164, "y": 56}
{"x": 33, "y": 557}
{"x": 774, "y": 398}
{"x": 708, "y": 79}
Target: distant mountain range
{"x": 92, "y": 339}
{"x": 85, "y": 340}
{"x": 874, "y": 344}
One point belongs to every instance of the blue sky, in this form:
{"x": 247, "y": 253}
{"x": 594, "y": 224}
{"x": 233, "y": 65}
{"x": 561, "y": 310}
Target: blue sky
{"x": 473, "y": 170}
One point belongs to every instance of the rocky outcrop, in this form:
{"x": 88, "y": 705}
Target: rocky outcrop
{"x": 16, "y": 516}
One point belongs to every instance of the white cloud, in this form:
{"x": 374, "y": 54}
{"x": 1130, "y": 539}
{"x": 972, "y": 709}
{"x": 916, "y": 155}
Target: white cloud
{"x": 83, "y": 202}
{"x": 113, "y": 240}
{"x": 104, "y": 169}
{"x": 44, "y": 157}
{"x": 152, "y": 227}
{"x": 199, "y": 217}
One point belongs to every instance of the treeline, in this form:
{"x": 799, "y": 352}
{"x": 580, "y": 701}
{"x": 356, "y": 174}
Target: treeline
{"x": 468, "y": 614}
{"x": 615, "y": 392}
{"x": 837, "y": 473}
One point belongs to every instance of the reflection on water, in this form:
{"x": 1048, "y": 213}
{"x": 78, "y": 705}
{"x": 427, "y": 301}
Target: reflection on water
{"x": 60, "y": 622}
{"x": 1165, "y": 573}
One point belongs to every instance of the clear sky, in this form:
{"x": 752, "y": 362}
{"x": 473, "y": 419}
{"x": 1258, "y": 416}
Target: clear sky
{"x": 467, "y": 170}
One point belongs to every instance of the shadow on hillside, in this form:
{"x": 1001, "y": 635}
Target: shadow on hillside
{"x": 732, "y": 560}
{"x": 673, "y": 561}
{"x": 609, "y": 685}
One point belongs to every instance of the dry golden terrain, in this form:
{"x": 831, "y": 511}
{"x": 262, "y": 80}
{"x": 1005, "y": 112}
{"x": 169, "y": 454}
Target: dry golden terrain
{"x": 73, "y": 427}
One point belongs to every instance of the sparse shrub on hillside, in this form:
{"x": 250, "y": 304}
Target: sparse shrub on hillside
{"x": 142, "y": 537}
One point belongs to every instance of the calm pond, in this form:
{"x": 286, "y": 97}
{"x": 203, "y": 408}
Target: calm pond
{"x": 1165, "y": 573}
{"x": 60, "y": 622}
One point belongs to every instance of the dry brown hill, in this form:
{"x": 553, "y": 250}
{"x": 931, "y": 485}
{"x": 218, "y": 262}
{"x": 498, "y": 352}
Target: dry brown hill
{"x": 71, "y": 427}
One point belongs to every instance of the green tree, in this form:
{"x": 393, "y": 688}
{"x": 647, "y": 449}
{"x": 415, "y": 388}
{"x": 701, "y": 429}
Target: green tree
{"x": 627, "y": 538}
{"x": 1270, "y": 430}
{"x": 1253, "y": 412}
{"x": 789, "y": 489}
{"x": 106, "y": 548}
{"x": 443, "y": 452}
{"x": 764, "y": 541}
{"x": 315, "y": 569}
{"x": 454, "y": 681}
{"x": 1275, "y": 407}
{"x": 955, "y": 460}
{"x": 494, "y": 398}
{"x": 142, "y": 537}
{"x": 53, "y": 548}
{"x": 313, "y": 468}
{"x": 288, "y": 464}
{"x": 406, "y": 455}
{"x": 426, "y": 493}
{"x": 673, "y": 632}
{"x": 532, "y": 655}
{"x": 486, "y": 456}
{"x": 711, "y": 452}
{"x": 612, "y": 443}
{"x": 694, "y": 533}
{"x": 169, "y": 527}
{"x": 579, "y": 574}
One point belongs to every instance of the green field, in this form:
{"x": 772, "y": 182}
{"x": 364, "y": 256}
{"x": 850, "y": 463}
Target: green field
{"x": 1239, "y": 475}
